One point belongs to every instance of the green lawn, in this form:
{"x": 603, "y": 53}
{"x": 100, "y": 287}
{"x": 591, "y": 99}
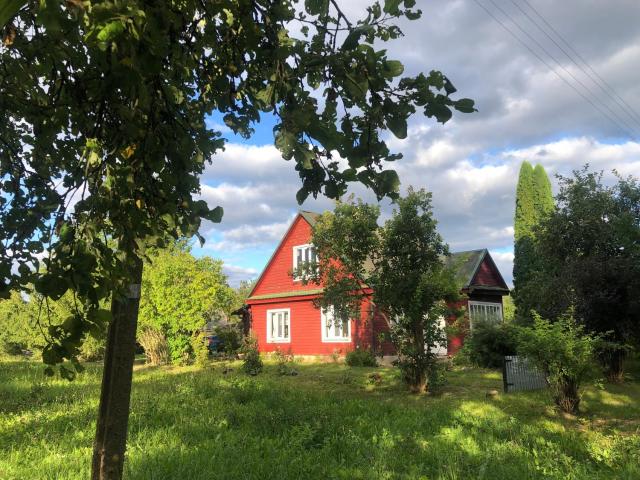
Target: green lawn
{"x": 327, "y": 422}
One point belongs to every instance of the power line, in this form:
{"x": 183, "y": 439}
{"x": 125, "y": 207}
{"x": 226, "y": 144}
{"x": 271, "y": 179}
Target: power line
{"x": 599, "y": 81}
{"x": 524, "y": 44}
{"x": 629, "y": 109}
{"x": 577, "y": 80}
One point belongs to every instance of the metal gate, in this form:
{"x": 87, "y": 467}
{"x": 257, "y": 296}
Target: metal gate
{"x": 518, "y": 374}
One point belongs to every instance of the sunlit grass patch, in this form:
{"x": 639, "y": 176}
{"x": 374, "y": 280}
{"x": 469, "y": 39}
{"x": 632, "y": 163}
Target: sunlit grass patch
{"x": 328, "y": 421}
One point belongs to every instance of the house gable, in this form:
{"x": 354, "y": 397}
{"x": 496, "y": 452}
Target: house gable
{"x": 276, "y": 278}
{"x": 487, "y": 275}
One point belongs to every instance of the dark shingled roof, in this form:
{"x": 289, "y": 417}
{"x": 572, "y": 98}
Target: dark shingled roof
{"x": 310, "y": 217}
{"x": 465, "y": 264}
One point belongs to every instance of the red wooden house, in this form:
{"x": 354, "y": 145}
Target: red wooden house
{"x": 282, "y": 314}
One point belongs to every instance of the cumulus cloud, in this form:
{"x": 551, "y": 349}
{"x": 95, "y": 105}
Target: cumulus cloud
{"x": 236, "y": 274}
{"x": 470, "y": 164}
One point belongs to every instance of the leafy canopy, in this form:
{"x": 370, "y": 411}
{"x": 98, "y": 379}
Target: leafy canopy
{"x": 103, "y": 131}
{"x": 180, "y": 294}
{"x": 590, "y": 247}
{"x": 564, "y": 351}
{"x": 534, "y": 202}
{"x": 399, "y": 266}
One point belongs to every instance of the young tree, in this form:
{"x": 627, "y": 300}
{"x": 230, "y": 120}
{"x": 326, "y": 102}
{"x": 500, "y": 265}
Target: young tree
{"x": 564, "y": 352}
{"x": 590, "y": 256}
{"x": 180, "y": 293}
{"x": 103, "y": 138}
{"x": 534, "y": 201}
{"x": 400, "y": 267}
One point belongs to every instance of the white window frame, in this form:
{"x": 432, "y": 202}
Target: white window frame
{"x": 270, "y": 338}
{"x": 296, "y": 248}
{"x": 485, "y": 305}
{"x": 328, "y": 315}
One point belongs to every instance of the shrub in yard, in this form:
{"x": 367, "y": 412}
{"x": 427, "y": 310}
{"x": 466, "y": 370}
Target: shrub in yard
{"x": 251, "y": 361}
{"x": 200, "y": 347}
{"x": 612, "y": 356}
{"x": 284, "y": 361}
{"x": 488, "y": 343}
{"x": 179, "y": 348}
{"x": 92, "y": 349}
{"x": 230, "y": 338}
{"x": 564, "y": 352}
{"x": 438, "y": 375}
{"x": 361, "y": 357}
{"x": 11, "y": 349}
{"x": 155, "y": 346}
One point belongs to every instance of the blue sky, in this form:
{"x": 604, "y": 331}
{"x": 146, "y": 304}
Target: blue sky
{"x": 526, "y": 112}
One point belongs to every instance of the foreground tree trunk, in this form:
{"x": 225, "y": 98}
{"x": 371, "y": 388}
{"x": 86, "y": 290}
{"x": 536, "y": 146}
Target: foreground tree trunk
{"x": 418, "y": 381}
{"x": 567, "y": 395}
{"x": 113, "y": 414}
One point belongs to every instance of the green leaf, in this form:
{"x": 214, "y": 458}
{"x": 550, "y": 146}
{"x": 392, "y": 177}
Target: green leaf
{"x": 51, "y": 286}
{"x": 353, "y": 38}
{"x": 448, "y": 86}
{"x": 393, "y": 68}
{"x": 111, "y": 30}
{"x": 301, "y": 195}
{"x": 266, "y": 95}
{"x": 100, "y": 316}
{"x": 286, "y": 142}
{"x": 9, "y": 9}
{"x": 305, "y": 157}
{"x": 439, "y": 110}
{"x": 388, "y": 181}
{"x": 52, "y": 354}
{"x": 316, "y": 7}
{"x": 398, "y": 126}
{"x": 465, "y": 105}
{"x": 215, "y": 215}
{"x": 391, "y": 6}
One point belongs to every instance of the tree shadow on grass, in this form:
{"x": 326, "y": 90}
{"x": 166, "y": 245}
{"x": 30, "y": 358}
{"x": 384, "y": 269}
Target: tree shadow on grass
{"x": 329, "y": 422}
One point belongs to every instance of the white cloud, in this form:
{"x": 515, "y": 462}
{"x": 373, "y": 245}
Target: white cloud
{"x": 470, "y": 164}
{"x": 236, "y": 274}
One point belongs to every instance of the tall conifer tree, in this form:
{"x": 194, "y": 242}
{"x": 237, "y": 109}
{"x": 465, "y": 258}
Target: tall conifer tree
{"x": 534, "y": 201}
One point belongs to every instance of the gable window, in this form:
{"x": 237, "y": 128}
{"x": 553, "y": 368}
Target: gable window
{"x": 484, "y": 312}
{"x": 334, "y": 329}
{"x": 303, "y": 254}
{"x": 279, "y": 326}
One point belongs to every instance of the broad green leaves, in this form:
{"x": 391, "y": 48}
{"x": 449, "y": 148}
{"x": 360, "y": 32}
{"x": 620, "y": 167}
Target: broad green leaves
{"x": 180, "y": 293}
{"x": 107, "y": 106}
{"x": 398, "y": 267}
{"x": 8, "y": 9}
{"x": 398, "y": 126}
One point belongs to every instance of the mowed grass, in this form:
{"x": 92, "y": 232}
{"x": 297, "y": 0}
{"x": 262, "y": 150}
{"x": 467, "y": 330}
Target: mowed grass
{"x": 328, "y": 422}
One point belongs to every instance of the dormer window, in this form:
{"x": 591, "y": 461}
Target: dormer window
{"x": 303, "y": 255}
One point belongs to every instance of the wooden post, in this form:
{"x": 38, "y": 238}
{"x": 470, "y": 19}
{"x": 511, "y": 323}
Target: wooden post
{"x": 113, "y": 413}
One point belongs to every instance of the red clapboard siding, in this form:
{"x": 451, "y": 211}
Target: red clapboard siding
{"x": 277, "y": 276}
{"x": 487, "y": 275}
{"x": 305, "y": 320}
{"x": 306, "y": 329}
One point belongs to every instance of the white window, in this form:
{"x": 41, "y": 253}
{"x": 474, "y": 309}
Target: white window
{"x": 279, "y": 326}
{"x": 334, "y": 329}
{"x": 303, "y": 254}
{"x": 484, "y": 312}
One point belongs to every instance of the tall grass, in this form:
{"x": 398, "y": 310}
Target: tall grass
{"x": 330, "y": 421}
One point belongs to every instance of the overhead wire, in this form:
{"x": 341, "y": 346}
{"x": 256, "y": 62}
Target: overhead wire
{"x": 621, "y": 121}
{"x": 552, "y": 69}
{"x": 602, "y": 82}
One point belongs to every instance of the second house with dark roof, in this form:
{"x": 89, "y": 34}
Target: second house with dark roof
{"x": 283, "y": 316}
